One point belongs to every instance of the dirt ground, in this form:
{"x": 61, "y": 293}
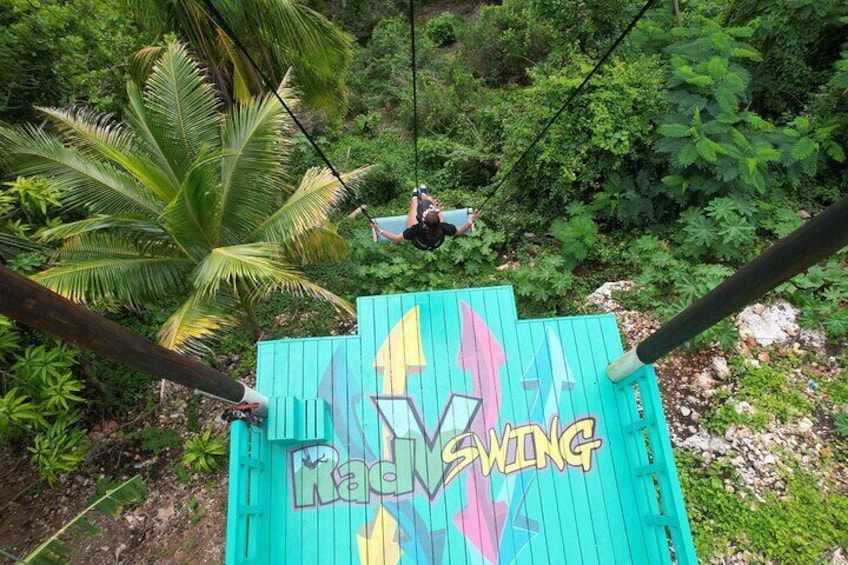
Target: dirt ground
{"x": 181, "y": 521}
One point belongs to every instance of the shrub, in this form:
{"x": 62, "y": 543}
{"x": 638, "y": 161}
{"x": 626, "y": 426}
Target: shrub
{"x": 442, "y": 29}
{"x": 504, "y": 41}
{"x": 608, "y": 131}
{"x": 204, "y": 452}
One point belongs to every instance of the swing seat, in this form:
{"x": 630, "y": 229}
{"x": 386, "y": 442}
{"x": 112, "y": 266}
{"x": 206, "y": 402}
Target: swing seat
{"x": 397, "y": 224}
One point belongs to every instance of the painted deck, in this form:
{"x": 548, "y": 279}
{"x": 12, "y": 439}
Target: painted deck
{"x": 449, "y": 431}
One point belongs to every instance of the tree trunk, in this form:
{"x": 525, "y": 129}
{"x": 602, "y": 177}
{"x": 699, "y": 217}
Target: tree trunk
{"x": 251, "y": 320}
{"x": 676, "y": 5}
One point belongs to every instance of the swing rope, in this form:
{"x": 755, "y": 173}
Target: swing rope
{"x": 271, "y": 87}
{"x": 414, "y": 87}
{"x": 219, "y": 19}
{"x": 576, "y": 92}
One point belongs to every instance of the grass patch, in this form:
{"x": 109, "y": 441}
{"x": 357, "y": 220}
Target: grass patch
{"x": 798, "y": 528}
{"x": 767, "y": 389}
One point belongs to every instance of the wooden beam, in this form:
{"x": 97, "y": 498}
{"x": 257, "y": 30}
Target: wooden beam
{"x": 815, "y": 241}
{"x": 30, "y": 303}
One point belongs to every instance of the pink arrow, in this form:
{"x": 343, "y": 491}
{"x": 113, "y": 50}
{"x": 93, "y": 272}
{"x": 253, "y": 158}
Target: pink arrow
{"x": 482, "y": 520}
{"x": 481, "y": 355}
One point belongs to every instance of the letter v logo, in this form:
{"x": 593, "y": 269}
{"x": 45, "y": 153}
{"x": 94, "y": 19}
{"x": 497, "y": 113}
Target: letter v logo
{"x": 402, "y": 417}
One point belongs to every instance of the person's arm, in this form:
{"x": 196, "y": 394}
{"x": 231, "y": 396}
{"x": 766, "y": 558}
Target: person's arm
{"x": 396, "y": 237}
{"x": 467, "y": 225}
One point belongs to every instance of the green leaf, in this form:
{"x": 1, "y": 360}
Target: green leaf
{"x": 54, "y": 551}
{"x": 717, "y": 67}
{"x": 804, "y": 148}
{"x": 674, "y": 130}
{"x": 687, "y": 155}
{"x": 701, "y": 80}
{"x": 706, "y": 149}
{"x": 835, "y": 152}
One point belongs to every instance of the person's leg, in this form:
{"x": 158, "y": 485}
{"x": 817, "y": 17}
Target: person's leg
{"x": 412, "y": 215}
{"x": 427, "y": 198}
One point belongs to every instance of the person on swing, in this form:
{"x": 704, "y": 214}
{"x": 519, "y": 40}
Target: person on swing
{"x": 425, "y": 226}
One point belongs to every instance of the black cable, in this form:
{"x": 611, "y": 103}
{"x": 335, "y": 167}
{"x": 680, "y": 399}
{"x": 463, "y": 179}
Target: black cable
{"x": 219, "y": 19}
{"x": 414, "y": 87}
{"x": 571, "y": 97}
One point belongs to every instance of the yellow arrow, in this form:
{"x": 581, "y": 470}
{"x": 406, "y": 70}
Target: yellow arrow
{"x": 378, "y": 543}
{"x": 401, "y": 353}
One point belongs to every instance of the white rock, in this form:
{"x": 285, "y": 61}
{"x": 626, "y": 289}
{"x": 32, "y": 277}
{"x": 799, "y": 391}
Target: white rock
{"x": 805, "y": 425}
{"x": 704, "y": 442}
{"x": 769, "y": 460}
{"x": 838, "y": 557}
{"x": 720, "y": 367}
{"x": 603, "y": 294}
{"x": 744, "y": 407}
{"x": 705, "y": 381}
{"x": 768, "y": 324}
{"x": 165, "y": 512}
{"x": 814, "y": 339}
{"x": 685, "y": 411}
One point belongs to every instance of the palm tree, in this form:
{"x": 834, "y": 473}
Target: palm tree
{"x": 280, "y": 34}
{"x": 182, "y": 200}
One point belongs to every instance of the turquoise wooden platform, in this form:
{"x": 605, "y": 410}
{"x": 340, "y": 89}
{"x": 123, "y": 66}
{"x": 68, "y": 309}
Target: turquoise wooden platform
{"x": 448, "y": 431}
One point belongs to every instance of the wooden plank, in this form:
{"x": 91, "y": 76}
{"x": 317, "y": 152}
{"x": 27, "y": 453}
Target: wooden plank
{"x": 30, "y": 303}
{"x": 422, "y": 363}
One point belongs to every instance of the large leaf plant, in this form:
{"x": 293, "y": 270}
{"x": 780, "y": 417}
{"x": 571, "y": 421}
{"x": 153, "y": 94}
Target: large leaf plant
{"x": 181, "y": 199}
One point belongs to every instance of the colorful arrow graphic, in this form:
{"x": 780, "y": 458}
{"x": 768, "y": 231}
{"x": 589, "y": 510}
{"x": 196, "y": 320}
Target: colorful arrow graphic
{"x": 341, "y": 391}
{"x": 378, "y": 540}
{"x": 548, "y": 374}
{"x": 401, "y": 355}
{"x": 482, "y": 520}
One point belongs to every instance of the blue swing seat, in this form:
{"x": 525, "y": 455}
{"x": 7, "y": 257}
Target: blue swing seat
{"x": 397, "y": 224}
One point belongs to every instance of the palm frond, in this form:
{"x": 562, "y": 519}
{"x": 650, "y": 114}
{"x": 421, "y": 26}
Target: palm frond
{"x": 11, "y": 245}
{"x": 85, "y": 183}
{"x": 142, "y": 61}
{"x": 197, "y": 319}
{"x": 252, "y": 175}
{"x": 137, "y": 117}
{"x": 308, "y": 207}
{"x": 315, "y": 246}
{"x": 248, "y": 266}
{"x": 114, "y": 224}
{"x": 287, "y": 34}
{"x": 182, "y": 109}
{"x": 295, "y": 283}
{"x": 115, "y": 143}
{"x": 192, "y": 217}
{"x": 55, "y": 552}
{"x": 104, "y": 267}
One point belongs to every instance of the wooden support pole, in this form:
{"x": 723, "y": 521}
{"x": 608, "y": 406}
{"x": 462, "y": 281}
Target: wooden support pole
{"x": 816, "y": 240}
{"x": 30, "y": 303}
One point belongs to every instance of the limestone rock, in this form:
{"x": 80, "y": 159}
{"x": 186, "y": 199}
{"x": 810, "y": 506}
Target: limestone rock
{"x": 805, "y": 425}
{"x": 720, "y": 368}
{"x": 767, "y": 325}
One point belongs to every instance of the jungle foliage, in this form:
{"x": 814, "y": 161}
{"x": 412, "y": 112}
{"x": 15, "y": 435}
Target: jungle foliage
{"x": 711, "y": 133}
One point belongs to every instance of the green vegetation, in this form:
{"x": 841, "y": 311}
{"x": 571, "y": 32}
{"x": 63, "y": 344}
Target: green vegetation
{"x": 710, "y": 134}
{"x": 110, "y": 499}
{"x": 769, "y": 392}
{"x": 279, "y": 35}
{"x": 204, "y": 452}
{"x": 189, "y": 204}
{"x": 797, "y": 528}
